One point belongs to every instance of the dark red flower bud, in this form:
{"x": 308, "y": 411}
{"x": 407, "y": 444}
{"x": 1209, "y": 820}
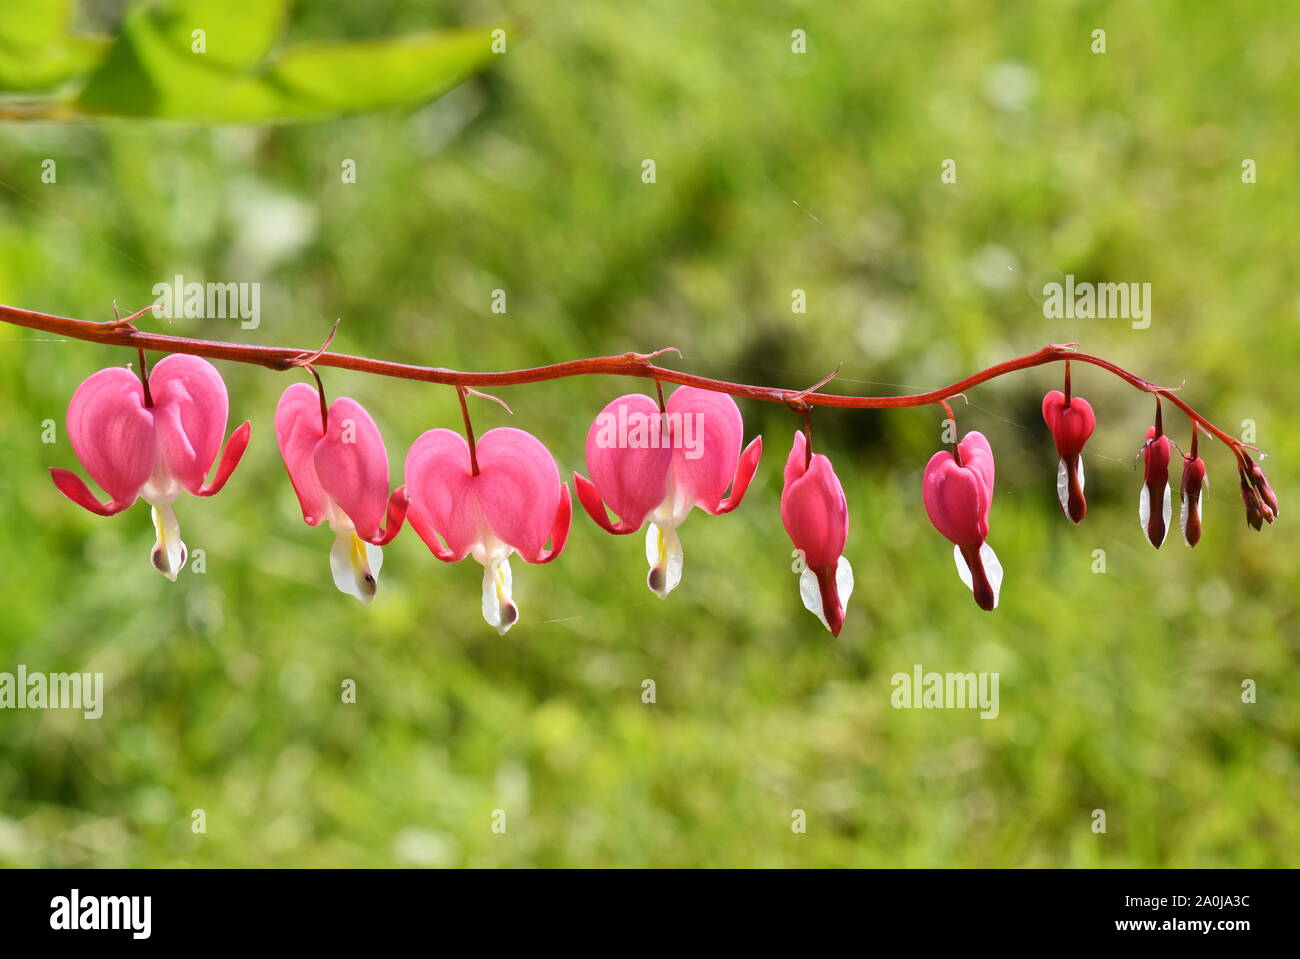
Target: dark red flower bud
{"x": 1194, "y": 482}
{"x": 1267, "y": 500}
{"x": 1071, "y": 421}
{"x": 1154, "y": 507}
{"x": 1254, "y": 515}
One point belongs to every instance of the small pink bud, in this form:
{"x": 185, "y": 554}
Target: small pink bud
{"x": 1071, "y": 422}
{"x": 958, "y": 491}
{"x": 816, "y": 516}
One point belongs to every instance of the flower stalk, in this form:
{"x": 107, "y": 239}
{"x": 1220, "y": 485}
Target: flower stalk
{"x": 123, "y": 333}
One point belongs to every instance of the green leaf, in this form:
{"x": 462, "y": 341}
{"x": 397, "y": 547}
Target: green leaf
{"x": 236, "y": 33}
{"x": 345, "y": 78}
{"x": 36, "y": 51}
{"x": 34, "y": 23}
{"x": 45, "y": 68}
{"x": 153, "y": 70}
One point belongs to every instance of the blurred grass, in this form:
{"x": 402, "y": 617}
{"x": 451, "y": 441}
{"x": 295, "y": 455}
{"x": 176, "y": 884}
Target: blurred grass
{"x": 774, "y": 172}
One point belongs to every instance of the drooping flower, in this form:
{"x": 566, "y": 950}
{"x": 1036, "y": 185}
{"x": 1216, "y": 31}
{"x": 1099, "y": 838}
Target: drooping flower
{"x": 644, "y": 462}
{"x": 958, "y": 491}
{"x": 816, "y": 516}
{"x": 341, "y": 478}
{"x": 504, "y": 497}
{"x": 152, "y": 446}
{"x": 1154, "y": 505}
{"x": 1071, "y": 421}
{"x": 1190, "y": 490}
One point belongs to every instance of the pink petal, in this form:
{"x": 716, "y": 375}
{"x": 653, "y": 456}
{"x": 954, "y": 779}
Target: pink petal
{"x": 560, "y": 531}
{"x": 74, "y": 488}
{"x": 589, "y": 496}
{"x": 796, "y": 464}
{"x": 977, "y": 455}
{"x": 112, "y": 434}
{"x": 440, "y": 488}
{"x": 352, "y": 466}
{"x": 298, "y": 430}
{"x": 1071, "y": 425}
{"x": 632, "y": 481}
{"x": 518, "y": 488}
{"x": 707, "y": 448}
{"x": 189, "y": 406}
{"x": 814, "y": 510}
{"x": 955, "y": 500}
{"x": 398, "y": 504}
{"x": 235, "y": 447}
{"x": 745, "y": 470}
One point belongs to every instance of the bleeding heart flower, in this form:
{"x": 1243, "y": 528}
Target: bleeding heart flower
{"x": 1154, "y": 506}
{"x": 1189, "y": 493}
{"x": 1071, "y": 422}
{"x": 155, "y": 447}
{"x": 513, "y": 502}
{"x": 647, "y": 463}
{"x": 341, "y": 477}
{"x": 958, "y": 491}
{"x": 816, "y": 516}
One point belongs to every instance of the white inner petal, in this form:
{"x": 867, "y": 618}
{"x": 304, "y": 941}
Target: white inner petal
{"x": 663, "y": 551}
{"x": 1168, "y": 510}
{"x": 355, "y": 564}
{"x": 675, "y": 507}
{"x": 1063, "y": 484}
{"x": 498, "y": 604}
{"x": 992, "y": 569}
{"x": 169, "y": 552}
{"x": 811, "y": 593}
{"x": 1183, "y": 513}
{"x": 1144, "y": 508}
{"x": 844, "y": 582}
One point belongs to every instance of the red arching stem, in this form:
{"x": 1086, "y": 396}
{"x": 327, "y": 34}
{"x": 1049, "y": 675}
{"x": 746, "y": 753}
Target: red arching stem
{"x": 628, "y": 364}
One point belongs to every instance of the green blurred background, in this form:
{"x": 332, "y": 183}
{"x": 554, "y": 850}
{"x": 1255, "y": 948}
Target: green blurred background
{"x": 775, "y": 171}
